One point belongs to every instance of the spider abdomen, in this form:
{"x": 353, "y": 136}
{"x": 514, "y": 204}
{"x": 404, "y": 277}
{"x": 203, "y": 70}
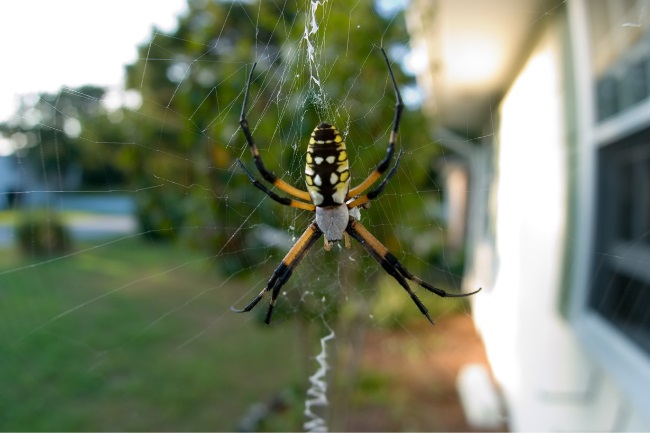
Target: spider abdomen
{"x": 327, "y": 172}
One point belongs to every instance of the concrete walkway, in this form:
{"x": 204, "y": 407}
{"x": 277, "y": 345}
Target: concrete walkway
{"x": 84, "y": 227}
{"x": 92, "y": 216}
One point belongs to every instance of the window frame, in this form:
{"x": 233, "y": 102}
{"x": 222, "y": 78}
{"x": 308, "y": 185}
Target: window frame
{"x": 623, "y": 359}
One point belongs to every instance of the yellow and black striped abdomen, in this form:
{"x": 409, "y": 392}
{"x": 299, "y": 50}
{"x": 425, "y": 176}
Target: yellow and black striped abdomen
{"x": 327, "y": 172}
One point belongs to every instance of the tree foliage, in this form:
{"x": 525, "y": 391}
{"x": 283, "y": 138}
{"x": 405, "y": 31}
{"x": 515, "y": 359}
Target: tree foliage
{"x": 67, "y": 139}
{"x": 178, "y": 148}
{"x": 192, "y": 82}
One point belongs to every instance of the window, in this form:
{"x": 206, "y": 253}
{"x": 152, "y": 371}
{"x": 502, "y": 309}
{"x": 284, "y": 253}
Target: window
{"x": 610, "y": 294}
{"x": 620, "y": 55}
{"x": 620, "y": 292}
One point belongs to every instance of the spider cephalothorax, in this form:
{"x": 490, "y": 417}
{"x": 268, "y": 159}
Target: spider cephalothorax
{"x": 328, "y": 195}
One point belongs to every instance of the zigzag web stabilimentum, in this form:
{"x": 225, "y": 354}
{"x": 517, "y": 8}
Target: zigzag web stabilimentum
{"x": 316, "y": 396}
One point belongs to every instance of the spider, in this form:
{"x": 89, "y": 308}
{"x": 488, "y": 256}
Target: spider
{"x": 335, "y": 204}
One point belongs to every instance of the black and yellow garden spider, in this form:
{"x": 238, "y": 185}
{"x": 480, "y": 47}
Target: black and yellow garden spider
{"x": 327, "y": 176}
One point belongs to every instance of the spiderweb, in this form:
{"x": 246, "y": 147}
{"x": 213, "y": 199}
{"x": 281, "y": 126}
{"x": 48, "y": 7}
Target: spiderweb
{"x": 203, "y": 239}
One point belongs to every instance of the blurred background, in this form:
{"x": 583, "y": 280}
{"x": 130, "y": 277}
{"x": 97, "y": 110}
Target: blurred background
{"x": 128, "y": 230}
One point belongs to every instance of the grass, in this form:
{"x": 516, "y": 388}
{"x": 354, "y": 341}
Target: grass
{"x": 132, "y": 336}
{"x": 135, "y": 336}
{"x": 11, "y": 216}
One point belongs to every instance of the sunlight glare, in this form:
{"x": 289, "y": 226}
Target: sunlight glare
{"x": 6, "y": 147}
{"x": 472, "y": 59}
{"x": 529, "y": 209}
{"x": 50, "y": 44}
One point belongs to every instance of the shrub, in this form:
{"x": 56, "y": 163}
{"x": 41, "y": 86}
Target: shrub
{"x": 42, "y": 234}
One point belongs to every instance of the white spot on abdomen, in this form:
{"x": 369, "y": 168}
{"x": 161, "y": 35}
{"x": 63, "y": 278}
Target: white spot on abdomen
{"x": 339, "y": 195}
{"x": 316, "y": 198}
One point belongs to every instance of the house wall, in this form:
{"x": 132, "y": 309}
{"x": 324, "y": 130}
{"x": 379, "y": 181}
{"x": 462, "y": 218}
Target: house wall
{"x": 549, "y": 382}
{"x": 534, "y": 234}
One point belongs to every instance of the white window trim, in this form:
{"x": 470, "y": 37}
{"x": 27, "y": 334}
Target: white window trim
{"x": 619, "y": 356}
{"x": 623, "y": 124}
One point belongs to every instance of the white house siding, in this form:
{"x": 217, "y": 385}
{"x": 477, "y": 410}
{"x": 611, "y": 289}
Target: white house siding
{"x": 527, "y": 342}
{"x": 548, "y": 381}
{"x": 529, "y": 236}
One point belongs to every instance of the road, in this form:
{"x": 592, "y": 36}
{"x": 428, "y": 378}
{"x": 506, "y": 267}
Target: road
{"x": 103, "y": 216}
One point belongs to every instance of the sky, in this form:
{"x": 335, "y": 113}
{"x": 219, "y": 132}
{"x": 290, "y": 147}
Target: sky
{"x": 76, "y": 42}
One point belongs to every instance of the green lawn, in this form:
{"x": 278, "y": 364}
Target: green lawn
{"x": 11, "y": 216}
{"x": 133, "y": 336}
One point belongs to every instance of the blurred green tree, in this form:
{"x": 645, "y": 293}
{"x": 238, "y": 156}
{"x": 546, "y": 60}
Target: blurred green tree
{"x": 192, "y": 81}
{"x": 63, "y": 137}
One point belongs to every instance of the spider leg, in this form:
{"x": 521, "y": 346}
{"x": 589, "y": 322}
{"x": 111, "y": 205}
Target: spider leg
{"x": 383, "y": 165}
{"x": 267, "y": 175}
{"x": 394, "y": 268}
{"x": 359, "y": 201}
{"x": 284, "y": 271}
{"x": 282, "y": 200}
